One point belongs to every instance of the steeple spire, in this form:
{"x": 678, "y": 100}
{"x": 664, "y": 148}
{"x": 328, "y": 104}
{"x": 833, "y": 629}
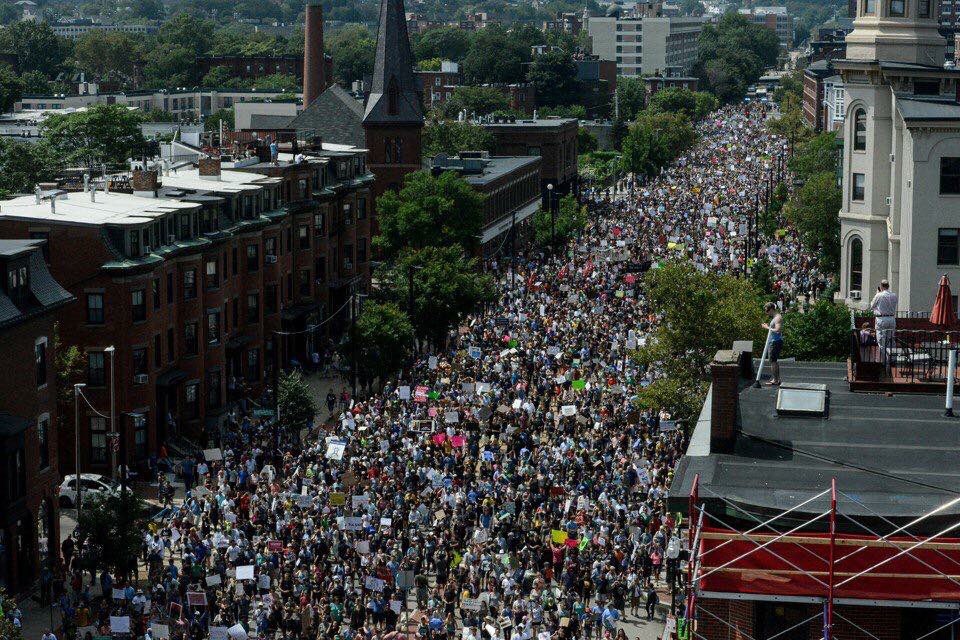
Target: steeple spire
{"x": 394, "y": 95}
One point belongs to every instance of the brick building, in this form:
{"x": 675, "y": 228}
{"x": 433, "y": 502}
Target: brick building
{"x": 29, "y": 521}
{"x": 511, "y": 186}
{"x": 190, "y": 276}
{"x": 655, "y": 84}
{"x": 813, "y": 92}
{"x": 252, "y": 67}
{"x": 552, "y": 139}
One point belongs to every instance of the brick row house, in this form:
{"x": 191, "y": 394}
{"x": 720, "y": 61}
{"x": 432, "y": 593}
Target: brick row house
{"x": 29, "y": 524}
{"x": 196, "y": 278}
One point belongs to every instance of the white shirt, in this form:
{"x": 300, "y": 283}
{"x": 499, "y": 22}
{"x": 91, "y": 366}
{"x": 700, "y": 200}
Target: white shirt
{"x": 884, "y": 303}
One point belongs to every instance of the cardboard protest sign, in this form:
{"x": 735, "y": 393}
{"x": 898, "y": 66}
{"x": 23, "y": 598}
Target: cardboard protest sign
{"x": 420, "y": 394}
{"x": 558, "y": 536}
{"x": 338, "y": 499}
{"x": 360, "y": 500}
{"x": 196, "y": 598}
{"x": 213, "y": 580}
{"x": 451, "y": 417}
{"x": 568, "y": 410}
{"x": 212, "y": 455}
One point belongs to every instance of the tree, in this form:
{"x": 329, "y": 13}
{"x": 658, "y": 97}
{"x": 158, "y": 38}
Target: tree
{"x": 569, "y": 220}
{"x": 103, "y": 133}
{"x": 173, "y": 66}
{"x": 220, "y": 77}
{"x": 475, "y": 100}
{"x": 380, "y": 341}
{"x": 554, "y": 77}
{"x": 24, "y": 164}
{"x": 112, "y": 525}
{"x": 295, "y": 402}
{"x": 695, "y": 105}
{"x": 586, "y": 141}
{"x": 8, "y": 630}
{"x": 446, "y": 43}
{"x": 822, "y": 333}
{"x": 429, "y": 211}
{"x": 814, "y": 212}
{"x": 188, "y": 31}
{"x": 813, "y": 156}
{"x": 790, "y": 84}
{"x": 102, "y": 54}
{"x": 447, "y": 285}
{"x": 733, "y": 54}
{"x": 791, "y": 124}
{"x": 430, "y": 64}
{"x": 494, "y": 57}
{"x": 353, "y": 54}
{"x": 701, "y": 313}
{"x": 34, "y": 46}
{"x": 655, "y": 140}
{"x": 631, "y": 95}
{"x": 451, "y": 137}
{"x": 691, "y": 8}
{"x": 212, "y": 122}
{"x": 11, "y": 87}
{"x": 71, "y": 366}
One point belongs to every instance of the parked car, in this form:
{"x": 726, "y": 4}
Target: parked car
{"x": 92, "y": 484}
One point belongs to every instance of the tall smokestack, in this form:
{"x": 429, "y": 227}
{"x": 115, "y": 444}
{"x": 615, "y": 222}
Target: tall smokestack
{"x": 313, "y": 63}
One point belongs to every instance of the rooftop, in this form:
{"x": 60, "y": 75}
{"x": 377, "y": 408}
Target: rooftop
{"x": 926, "y": 109}
{"x": 542, "y": 123}
{"x": 75, "y": 207}
{"x": 895, "y": 452}
{"x": 483, "y": 171}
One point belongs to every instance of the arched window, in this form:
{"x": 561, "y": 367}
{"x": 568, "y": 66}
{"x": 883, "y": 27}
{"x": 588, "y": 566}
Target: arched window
{"x": 859, "y": 130}
{"x": 397, "y": 151}
{"x": 856, "y": 265}
{"x": 393, "y": 98}
{"x": 388, "y": 151}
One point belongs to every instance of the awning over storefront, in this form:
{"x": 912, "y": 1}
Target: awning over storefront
{"x": 503, "y": 225}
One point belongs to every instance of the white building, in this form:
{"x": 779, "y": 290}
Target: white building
{"x": 79, "y": 28}
{"x": 645, "y": 42}
{"x": 833, "y": 101}
{"x": 900, "y": 217}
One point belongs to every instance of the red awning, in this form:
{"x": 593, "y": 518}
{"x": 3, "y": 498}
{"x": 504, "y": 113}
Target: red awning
{"x": 799, "y": 566}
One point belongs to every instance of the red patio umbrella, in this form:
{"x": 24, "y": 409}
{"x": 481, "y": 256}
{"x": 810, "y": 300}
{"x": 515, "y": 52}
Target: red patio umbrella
{"x": 943, "y": 314}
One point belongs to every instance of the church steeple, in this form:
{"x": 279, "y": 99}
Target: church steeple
{"x": 394, "y": 94}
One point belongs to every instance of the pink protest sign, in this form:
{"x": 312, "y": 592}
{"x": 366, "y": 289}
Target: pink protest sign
{"x": 432, "y": 412}
{"x": 458, "y": 441}
{"x": 439, "y": 438}
{"x": 420, "y": 394}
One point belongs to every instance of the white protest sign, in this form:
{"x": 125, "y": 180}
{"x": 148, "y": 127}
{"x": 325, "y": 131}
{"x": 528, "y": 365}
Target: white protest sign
{"x": 213, "y": 580}
{"x": 451, "y": 417}
{"x": 568, "y": 410}
{"x": 362, "y": 547}
{"x": 404, "y": 392}
{"x": 212, "y": 455}
{"x": 432, "y": 362}
{"x": 335, "y": 449}
{"x": 119, "y": 624}
{"x": 237, "y": 632}
{"x": 245, "y": 572}
{"x": 361, "y": 500}
{"x": 218, "y": 633}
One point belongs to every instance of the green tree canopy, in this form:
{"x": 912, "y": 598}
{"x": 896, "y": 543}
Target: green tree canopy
{"x": 113, "y": 526}
{"x": 733, "y": 54}
{"x": 212, "y": 122}
{"x": 103, "y": 133}
{"x": 295, "y": 401}
{"x": 495, "y": 56}
{"x": 570, "y": 218}
{"x": 429, "y": 211}
{"x": 35, "y": 47}
{"x": 631, "y": 95}
{"x": 104, "y": 54}
{"x": 380, "y": 340}
{"x": 447, "y": 285}
{"x": 814, "y": 212}
{"x": 475, "y": 100}
{"x": 813, "y": 156}
{"x": 655, "y": 140}
{"x": 822, "y": 333}
{"x": 554, "y": 76}
{"x": 695, "y": 105}
{"x": 451, "y": 137}
{"x": 24, "y": 164}
{"x": 445, "y": 43}
{"x": 11, "y": 87}
{"x": 353, "y": 50}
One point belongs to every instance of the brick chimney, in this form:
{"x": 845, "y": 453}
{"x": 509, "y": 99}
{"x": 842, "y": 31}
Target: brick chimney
{"x": 144, "y": 182}
{"x": 313, "y": 59}
{"x": 209, "y": 168}
{"x": 725, "y": 399}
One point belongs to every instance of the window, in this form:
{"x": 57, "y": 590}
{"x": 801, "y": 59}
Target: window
{"x": 270, "y": 249}
{"x": 303, "y": 282}
{"x": 40, "y": 357}
{"x": 98, "y": 440}
{"x": 270, "y": 299}
{"x": 17, "y": 284}
{"x": 319, "y": 225}
{"x": 138, "y": 305}
{"x": 860, "y": 130}
{"x": 212, "y": 280}
{"x": 303, "y": 236}
{"x": 170, "y": 287}
{"x": 157, "y": 352}
{"x": 869, "y": 7}
{"x": 191, "y": 400}
{"x": 347, "y": 257}
{"x": 233, "y": 261}
{"x": 926, "y": 87}
{"x": 95, "y": 369}
{"x": 140, "y": 437}
{"x": 253, "y": 364}
{"x": 856, "y": 265}
{"x": 134, "y": 244}
{"x": 948, "y": 246}
{"x": 95, "y": 308}
{"x": 361, "y": 250}
{"x": 171, "y": 349}
{"x": 189, "y": 284}
{"x": 139, "y": 362}
{"x": 253, "y": 308}
{"x": 859, "y": 187}
{"x": 213, "y": 327}
{"x": 897, "y": 8}
{"x": 253, "y": 258}
{"x": 950, "y": 176}
{"x": 213, "y": 389}
{"x": 923, "y": 8}
{"x": 347, "y": 214}
{"x": 190, "y": 346}
{"x": 155, "y": 290}
{"x": 361, "y": 208}
{"x": 43, "y": 440}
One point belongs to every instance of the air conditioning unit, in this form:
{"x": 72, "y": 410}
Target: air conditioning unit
{"x": 270, "y": 259}
{"x": 146, "y": 250}
{"x": 888, "y": 200}
{"x": 855, "y": 294}
{"x": 140, "y": 378}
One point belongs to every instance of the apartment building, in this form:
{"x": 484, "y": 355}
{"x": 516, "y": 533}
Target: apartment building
{"x": 646, "y": 44}
{"x": 777, "y": 19}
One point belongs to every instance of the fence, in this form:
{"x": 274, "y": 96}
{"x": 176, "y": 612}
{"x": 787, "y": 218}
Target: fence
{"x": 901, "y": 356}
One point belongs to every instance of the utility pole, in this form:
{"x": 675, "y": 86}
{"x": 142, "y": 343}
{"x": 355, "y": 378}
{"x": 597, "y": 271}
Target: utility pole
{"x": 76, "y": 453}
{"x": 513, "y": 251}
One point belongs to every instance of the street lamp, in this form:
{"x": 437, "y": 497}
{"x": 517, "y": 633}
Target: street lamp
{"x": 76, "y": 442}
{"x": 553, "y": 214}
{"x": 113, "y": 406}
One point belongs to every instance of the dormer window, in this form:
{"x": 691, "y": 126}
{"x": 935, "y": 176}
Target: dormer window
{"x": 134, "y": 244}
{"x": 393, "y": 98}
{"x": 17, "y": 284}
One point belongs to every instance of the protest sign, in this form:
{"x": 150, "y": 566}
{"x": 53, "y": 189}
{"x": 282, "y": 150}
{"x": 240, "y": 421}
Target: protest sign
{"x": 245, "y": 572}
{"x": 212, "y": 455}
{"x": 218, "y": 633}
{"x": 119, "y": 624}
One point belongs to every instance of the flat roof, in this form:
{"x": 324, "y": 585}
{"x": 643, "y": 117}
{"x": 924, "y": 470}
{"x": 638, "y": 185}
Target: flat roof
{"x": 496, "y": 167}
{"x": 544, "y": 123}
{"x": 895, "y": 453}
{"x": 917, "y": 109}
{"x": 229, "y": 182}
{"x": 75, "y": 207}
{"x": 11, "y": 248}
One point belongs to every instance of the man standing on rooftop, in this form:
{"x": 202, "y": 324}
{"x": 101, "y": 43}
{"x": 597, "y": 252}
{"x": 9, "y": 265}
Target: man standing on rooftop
{"x": 884, "y": 307}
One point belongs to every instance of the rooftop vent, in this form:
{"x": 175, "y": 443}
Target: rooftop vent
{"x": 800, "y": 399}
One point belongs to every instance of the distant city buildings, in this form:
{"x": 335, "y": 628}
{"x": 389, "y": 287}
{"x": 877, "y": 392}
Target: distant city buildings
{"x": 777, "y": 19}
{"x": 74, "y": 29}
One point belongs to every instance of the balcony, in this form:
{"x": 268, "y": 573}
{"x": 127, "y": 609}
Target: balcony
{"x": 914, "y": 359}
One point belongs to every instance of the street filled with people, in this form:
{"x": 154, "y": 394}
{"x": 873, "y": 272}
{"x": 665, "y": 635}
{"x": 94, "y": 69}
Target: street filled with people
{"x": 505, "y": 486}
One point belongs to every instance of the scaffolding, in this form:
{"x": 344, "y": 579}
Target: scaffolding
{"x": 812, "y": 563}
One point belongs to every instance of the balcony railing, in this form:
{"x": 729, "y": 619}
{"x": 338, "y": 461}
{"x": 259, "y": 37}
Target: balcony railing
{"x": 900, "y": 358}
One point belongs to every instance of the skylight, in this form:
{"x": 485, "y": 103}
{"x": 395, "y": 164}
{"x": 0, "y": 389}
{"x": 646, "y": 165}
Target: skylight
{"x": 800, "y": 399}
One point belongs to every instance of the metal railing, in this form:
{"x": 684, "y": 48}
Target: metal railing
{"x": 902, "y": 356}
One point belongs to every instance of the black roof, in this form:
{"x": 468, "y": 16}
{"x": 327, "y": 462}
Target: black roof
{"x": 393, "y": 68}
{"x": 47, "y": 294}
{"x": 894, "y": 453}
{"x": 265, "y": 121}
{"x": 335, "y": 116}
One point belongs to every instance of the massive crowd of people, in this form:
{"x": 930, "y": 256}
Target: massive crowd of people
{"x": 507, "y": 487}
